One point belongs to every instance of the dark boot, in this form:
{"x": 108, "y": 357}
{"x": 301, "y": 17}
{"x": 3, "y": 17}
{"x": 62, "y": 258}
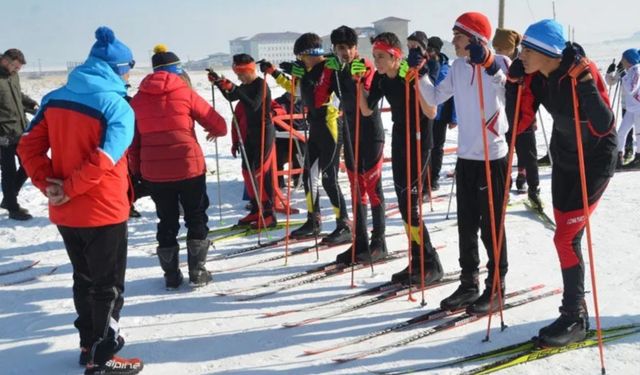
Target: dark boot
{"x": 521, "y": 179}
{"x": 169, "y": 261}
{"x": 270, "y": 221}
{"x": 633, "y": 164}
{"x": 485, "y": 303}
{"x": 534, "y": 197}
{"x": 362, "y": 250}
{"x": 310, "y": 228}
{"x": 571, "y": 326}
{"x": 340, "y": 235}
{"x": 85, "y": 353}
{"x": 467, "y": 293}
{"x": 432, "y": 268}
{"x": 197, "y": 259}
{"x": 619, "y": 161}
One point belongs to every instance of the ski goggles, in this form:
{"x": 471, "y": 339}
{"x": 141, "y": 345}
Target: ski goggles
{"x": 244, "y": 68}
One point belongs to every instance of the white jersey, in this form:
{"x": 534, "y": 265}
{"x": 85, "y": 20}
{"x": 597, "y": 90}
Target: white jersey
{"x": 613, "y": 79}
{"x": 631, "y": 87}
{"x": 462, "y": 84}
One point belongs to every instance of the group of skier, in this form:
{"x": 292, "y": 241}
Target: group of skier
{"x": 75, "y": 152}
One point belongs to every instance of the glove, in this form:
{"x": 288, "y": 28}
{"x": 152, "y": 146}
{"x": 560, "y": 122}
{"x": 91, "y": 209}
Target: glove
{"x": 225, "y": 85}
{"x": 212, "y": 76}
{"x": 267, "y": 67}
{"x": 573, "y": 60}
{"x": 417, "y": 60}
{"x": 516, "y": 71}
{"x": 479, "y": 54}
{"x": 358, "y": 68}
{"x": 404, "y": 68}
{"x": 234, "y": 150}
{"x": 619, "y": 67}
{"x": 333, "y": 63}
{"x": 295, "y": 68}
{"x": 611, "y": 67}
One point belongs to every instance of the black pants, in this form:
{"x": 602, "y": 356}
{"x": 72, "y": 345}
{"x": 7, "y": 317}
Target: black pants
{"x": 192, "y": 194}
{"x": 437, "y": 153}
{"x": 12, "y": 178}
{"x": 99, "y": 259}
{"x": 473, "y": 213}
{"x": 410, "y": 193}
{"x": 569, "y": 215}
{"x": 322, "y": 159}
{"x": 527, "y": 153}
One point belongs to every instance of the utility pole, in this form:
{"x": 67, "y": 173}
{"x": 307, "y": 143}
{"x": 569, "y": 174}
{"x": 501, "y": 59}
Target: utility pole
{"x": 501, "y": 14}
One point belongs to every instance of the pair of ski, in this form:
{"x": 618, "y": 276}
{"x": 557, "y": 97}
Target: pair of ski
{"x": 521, "y": 353}
{"x": 317, "y": 273}
{"x": 8, "y": 270}
{"x": 20, "y": 272}
{"x": 427, "y": 317}
{"x": 454, "y": 322}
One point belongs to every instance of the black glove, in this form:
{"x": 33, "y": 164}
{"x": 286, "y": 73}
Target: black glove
{"x": 516, "y": 70}
{"x": 416, "y": 59}
{"x": 266, "y": 67}
{"x": 295, "y": 68}
{"x": 571, "y": 54}
{"x": 212, "y": 76}
{"x": 611, "y": 67}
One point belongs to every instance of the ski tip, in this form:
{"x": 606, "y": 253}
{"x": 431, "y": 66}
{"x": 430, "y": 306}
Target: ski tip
{"x": 341, "y": 360}
{"x": 311, "y": 352}
{"x": 291, "y": 325}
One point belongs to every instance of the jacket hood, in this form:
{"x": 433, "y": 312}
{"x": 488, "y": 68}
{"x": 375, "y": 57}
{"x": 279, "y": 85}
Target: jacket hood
{"x": 95, "y": 76}
{"x": 161, "y": 82}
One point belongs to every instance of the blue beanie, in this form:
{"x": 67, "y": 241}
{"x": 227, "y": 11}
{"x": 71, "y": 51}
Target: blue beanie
{"x": 112, "y": 51}
{"x": 632, "y": 56}
{"x": 546, "y": 37}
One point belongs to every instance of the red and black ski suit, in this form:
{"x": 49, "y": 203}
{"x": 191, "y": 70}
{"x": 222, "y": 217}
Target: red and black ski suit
{"x": 248, "y": 113}
{"x": 599, "y": 141}
{"x": 370, "y": 155}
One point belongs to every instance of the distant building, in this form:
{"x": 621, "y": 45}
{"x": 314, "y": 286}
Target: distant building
{"x": 398, "y": 26}
{"x": 274, "y": 47}
{"x": 72, "y": 65}
{"x": 213, "y": 60}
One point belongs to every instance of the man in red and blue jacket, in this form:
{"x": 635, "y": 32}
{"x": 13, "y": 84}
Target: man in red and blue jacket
{"x": 87, "y": 125}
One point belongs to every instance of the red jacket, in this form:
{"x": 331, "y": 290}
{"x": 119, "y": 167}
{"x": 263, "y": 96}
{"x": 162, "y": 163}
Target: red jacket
{"x": 80, "y": 136}
{"x": 165, "y": 147}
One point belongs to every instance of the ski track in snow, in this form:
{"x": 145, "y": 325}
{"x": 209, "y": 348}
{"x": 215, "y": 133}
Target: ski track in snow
{"x": 197, "y": 332}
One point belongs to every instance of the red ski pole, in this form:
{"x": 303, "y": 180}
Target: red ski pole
{"x": 492, "y": 213}
{"x": 585, "y": 206}
{"x": 407, "y": 124}
{"x": 505, "y": 199}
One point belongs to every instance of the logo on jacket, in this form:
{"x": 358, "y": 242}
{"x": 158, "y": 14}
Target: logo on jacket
{"x": 491, "y": 123}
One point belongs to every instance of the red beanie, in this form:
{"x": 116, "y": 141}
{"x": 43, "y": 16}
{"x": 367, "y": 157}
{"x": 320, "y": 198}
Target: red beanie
{"x": 474, "y": 24}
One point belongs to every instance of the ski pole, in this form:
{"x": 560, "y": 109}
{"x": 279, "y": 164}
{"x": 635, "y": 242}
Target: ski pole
{"x": 290, "y": 167}
{"x": 419, "y": 177}
{"x": 428, "y": 172}
{"x": 505, "y": 199}
{"x": 215, "y": 142}
{"x": 246, "y": 160}
{"x": 492, "y": 214}
{"x": 586, "y": 210}
{"x": 609, "y": 94}
{"x": 453, "y": 183}
{"x": 263, "y": 125}
{"x": 407, "y": 190}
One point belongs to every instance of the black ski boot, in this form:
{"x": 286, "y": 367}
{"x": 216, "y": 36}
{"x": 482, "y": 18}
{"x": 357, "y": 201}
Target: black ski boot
{"x": 633, "y": 164}
{"x": 362, "y": 253}
{"x": 467, "y": 293}
{"x": 340, "y": 235}
{"x": 310, "y": 228}
{"x": 521, "y": 179}
{"x": 432, "y": 268}
{"x": 169, "y": 261}
{"x": 197, "y": 259}
{"x": 534, "y": 197}
{"x": 85, "y": 353}
{"x": 482, "y": 305}
{"x": 571, "y": 326}
{"x": 619, "y": 161}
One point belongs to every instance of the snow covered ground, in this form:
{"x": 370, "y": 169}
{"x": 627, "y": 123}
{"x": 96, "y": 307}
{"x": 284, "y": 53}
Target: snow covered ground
{"x": 197, "y": 332}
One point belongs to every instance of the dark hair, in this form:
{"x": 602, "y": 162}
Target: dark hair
{"x": 344, "y": 35}
{"x": 388, "y": 38}
{"x": 14, "y": 54}
{"x": 420, "y": 37}
{"x": 435, "y": 43}
{"x": 306, "y": 42}
{"x": 242, "y": 58}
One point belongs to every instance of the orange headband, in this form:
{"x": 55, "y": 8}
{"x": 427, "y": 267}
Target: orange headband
{"x": 244, "y": 68}
{"x": 382, "y": 46}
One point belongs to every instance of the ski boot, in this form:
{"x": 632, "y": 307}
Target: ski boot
{"x": 340, "y": 235}
{"x": 484, "y": 303}
{"x": 466, "y": 294}
{"x": 571, "y": 326}
{"x": 197, "y": 258}
{"x": 169, "y": 261}
{"x": 310, "y": 228}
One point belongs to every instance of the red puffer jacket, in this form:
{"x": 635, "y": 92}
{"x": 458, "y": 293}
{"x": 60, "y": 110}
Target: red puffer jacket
{"x": 165, "y": 147}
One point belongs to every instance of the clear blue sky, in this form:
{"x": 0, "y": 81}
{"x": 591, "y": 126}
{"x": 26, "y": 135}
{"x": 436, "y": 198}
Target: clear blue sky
{"x": 57, "y": 31}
